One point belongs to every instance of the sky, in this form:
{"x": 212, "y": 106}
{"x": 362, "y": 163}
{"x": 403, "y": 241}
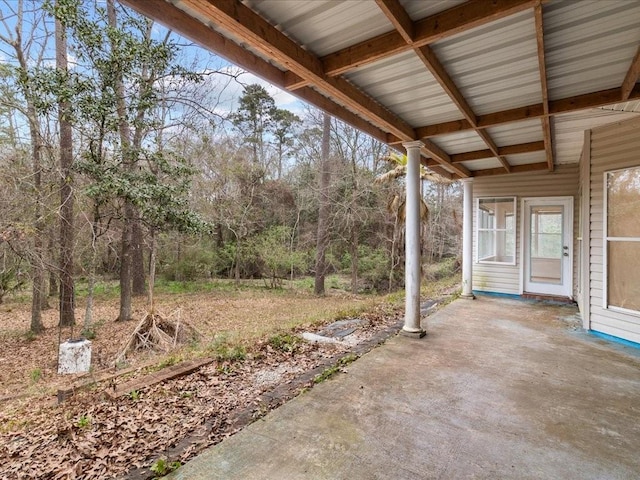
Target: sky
{"x": 191, "y": 53}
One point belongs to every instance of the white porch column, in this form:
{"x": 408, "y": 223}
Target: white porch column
{"x": 467, "y": 238}
{"x": 412, "y": 243}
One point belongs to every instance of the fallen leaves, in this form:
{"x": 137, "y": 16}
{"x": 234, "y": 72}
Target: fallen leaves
{"x": 92, "y": 436}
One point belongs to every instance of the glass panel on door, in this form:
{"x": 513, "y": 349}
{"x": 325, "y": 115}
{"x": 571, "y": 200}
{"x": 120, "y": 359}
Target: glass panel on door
{"x": 546, "y": 244}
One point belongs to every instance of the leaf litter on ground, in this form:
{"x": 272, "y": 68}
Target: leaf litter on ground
{"x": 91, "y": 436}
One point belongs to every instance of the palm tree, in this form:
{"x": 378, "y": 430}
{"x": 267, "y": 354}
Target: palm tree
{"x": 396, "y": 204}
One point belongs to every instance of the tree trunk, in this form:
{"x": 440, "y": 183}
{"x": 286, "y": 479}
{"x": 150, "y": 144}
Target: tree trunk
{"x": 53, "y": 274}
{"x": 354, "y": 259}
{"x": 323, "y": 213}
{"x": 88, "y": 315}
{"x": 37, "y": 262}
{"x": 67, "y": 300}
{"x": 124, "y": 131}
{"x": 125, "y": 265}
{"x": 37, "y": 259}
{"x": 137, "y": 258}
{"x": 355, "y": 227}
{"x": 152, "y": 270}
{"x": 219, "y": 236}
{"x": 237, "y": 263}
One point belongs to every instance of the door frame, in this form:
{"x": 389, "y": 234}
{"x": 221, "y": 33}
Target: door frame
{"x": 566, "y": 289}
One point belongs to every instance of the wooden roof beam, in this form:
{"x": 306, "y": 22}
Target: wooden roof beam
{"x": 432, "y": 150}
{"x": 427, "y": 30}
{"x": 631, "y": 78}
{"x": 196, "y": 31}
{"x": 556, "y": 107}
{"x": 250, "y": 28}
{"x": 494, "y": 149}
{"x": 430, "y": 60}
{"x": 530, "y": 167}
{"x": 546, "y": 121}
{"x": 399, "y": 17}
{"x": 503, "y": 151}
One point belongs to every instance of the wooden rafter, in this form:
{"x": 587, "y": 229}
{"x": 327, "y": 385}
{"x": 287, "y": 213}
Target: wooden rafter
{"x": 529, "y": 167}
{"x": 398, "y": 16}
{"x": 251, "y": 29}
{"x": 427, "y": 30}
{"x": 432, "y": 150}
{"x": 546, "y": 121}
{"x": 529, "y": 112}
{"x": 430, "y": 60}
{"x": 631, "y": 78}
{"x": 233, "y": 30}
{"x": 174, "y": 18}
{"x": 506, "y": 150}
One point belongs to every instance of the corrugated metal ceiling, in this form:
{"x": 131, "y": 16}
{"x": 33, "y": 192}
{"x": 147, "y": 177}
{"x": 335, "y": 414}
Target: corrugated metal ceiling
{"x": 589, "y": 48}
{"x": 324, "y": 26}
{"x": 402, "y": 84}
{"x": 493, "y": 64}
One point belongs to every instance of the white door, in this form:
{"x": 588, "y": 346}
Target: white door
{"x": 547, "y": 254}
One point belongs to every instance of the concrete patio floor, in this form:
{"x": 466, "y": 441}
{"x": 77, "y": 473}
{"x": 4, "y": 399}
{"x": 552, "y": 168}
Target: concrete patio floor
{"x": 499, "y": 389}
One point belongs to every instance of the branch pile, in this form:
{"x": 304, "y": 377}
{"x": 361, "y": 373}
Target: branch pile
{"x": 154, "y": 332}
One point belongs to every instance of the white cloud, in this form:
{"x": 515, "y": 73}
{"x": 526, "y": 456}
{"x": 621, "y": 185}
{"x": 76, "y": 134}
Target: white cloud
{"x": 282, "y": 98}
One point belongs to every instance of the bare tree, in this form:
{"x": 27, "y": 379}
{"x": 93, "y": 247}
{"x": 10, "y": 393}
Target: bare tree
{"x": 26, "y": 59}
{"x": 323, "y": 212}
{"x": 67, "y": 300}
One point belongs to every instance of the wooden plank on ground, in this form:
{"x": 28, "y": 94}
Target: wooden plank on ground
{"x": 175, "y": 371}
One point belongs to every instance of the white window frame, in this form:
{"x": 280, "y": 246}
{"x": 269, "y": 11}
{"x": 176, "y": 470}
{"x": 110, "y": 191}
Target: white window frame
{"x": 605, "y": 245}
{"x": 495, "y": 230}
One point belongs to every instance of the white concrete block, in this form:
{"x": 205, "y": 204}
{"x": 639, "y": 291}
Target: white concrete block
{"x": 74, "y": 356}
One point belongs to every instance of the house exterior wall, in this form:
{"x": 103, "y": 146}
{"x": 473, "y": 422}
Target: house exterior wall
{"x": 611, "y": 147}
{"x": 564, "y": 181}
{"x": 582, "y": 252}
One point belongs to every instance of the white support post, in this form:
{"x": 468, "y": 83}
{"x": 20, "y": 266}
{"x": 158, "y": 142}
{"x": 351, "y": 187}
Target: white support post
{"x": 467, "y": 239}
{"x": 413, "y": 261}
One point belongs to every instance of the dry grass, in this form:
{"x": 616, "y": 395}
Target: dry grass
{"x": 217, "y": 310}
{"x": 239, "y": 315}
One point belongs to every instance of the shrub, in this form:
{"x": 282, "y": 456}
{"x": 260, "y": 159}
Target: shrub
{"x": 373, "y": 267}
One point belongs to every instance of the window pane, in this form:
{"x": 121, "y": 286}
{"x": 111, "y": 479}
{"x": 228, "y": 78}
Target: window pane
{"x": 624, "y": 282}
{"x": 498, "y": 207}
{"x": 546, "y": 231}
{"x": 496, "y": 224}
{"x": 623, "y": 203}
{"x": 486, "y": 245}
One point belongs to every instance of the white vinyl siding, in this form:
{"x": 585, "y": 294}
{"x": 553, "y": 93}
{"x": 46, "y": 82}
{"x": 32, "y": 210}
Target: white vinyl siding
{"x": 501, "y": 278}
{"x": 584, "y": 245}
{"x": 612, "y": 147}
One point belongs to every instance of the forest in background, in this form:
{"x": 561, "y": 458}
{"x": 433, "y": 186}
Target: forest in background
{"x": 122, "y": 158}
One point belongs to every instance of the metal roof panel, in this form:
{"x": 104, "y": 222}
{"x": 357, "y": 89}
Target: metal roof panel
{"x": 407, "y": 88}
{"x": 589, "y": 48}
{"x": 483, "y": 164}
{"x": 460, "y": 142}
{"x": 323, "y": 26}
{"x": 516, "y": 133}
{"x": 495, "y": 66}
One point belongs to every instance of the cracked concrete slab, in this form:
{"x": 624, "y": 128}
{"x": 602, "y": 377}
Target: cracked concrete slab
{"x": 499, "y": 388}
